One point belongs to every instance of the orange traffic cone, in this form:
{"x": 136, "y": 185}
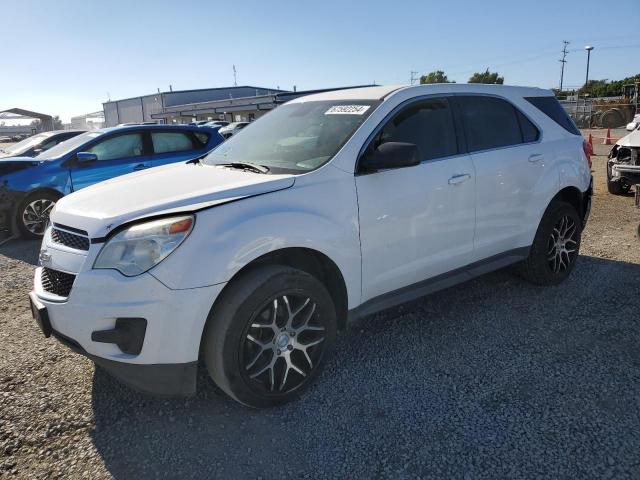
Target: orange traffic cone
{"x": 607, "y": 139}
{"x": 590, "y": 142}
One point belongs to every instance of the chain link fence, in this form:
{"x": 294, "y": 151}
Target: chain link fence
{"x": 600, "y": 112}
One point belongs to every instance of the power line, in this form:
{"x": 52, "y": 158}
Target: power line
{"x": 414, "y": 77}
{"x": 563, "y": 61}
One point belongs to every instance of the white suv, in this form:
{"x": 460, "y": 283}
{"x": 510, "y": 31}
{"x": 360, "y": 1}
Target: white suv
{"x": 329, "y": 208}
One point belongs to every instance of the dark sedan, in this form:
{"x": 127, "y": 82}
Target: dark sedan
{"x": 38, "y": 143}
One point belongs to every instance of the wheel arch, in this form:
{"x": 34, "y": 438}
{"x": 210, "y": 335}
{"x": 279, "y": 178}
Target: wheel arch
{"x": 574, "y": 197}
{"x": 50, "y": 190}
{"x": 571, "y": 195}
{"x": 311, "y": 261}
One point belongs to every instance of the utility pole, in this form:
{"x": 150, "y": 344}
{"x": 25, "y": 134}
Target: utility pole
{"x": 235, "y": 77}
{"x": 414, "y": 77}
{"x": 563, "y": 61}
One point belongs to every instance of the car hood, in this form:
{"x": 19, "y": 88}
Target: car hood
{"x": 631, "y": 140}
{"x": 13, "y": 164}
{"x": 169, "y": 189}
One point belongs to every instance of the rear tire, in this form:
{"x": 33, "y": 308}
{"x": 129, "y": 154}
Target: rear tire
{"x": 555, "y": 247}
{"x": 32, "y": 215}
{"x": 268, "y": 334}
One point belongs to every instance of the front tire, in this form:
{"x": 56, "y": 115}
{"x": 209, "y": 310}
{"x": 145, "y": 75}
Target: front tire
{"x": 555, "y": 247}
{"x": 616, "y": 187}
{"x": 32, "y": 215}
{"x": 268, "y": 334}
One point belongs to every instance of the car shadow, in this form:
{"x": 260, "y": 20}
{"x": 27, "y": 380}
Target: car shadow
{"x": 408, "y": 386}
{"x": 19, "y": 249}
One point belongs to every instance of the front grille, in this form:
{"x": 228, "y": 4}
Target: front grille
{"x": 70, "y": 240}
{"x": 58, "y": 283}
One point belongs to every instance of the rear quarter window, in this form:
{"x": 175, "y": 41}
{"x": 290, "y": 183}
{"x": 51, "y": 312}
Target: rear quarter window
{"x": 552, "y": 109}
{"x": 202, "y": 138}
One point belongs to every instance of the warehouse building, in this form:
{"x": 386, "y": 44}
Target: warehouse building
{"x": 149, "y": 108}
{"x": 233, "y": 104}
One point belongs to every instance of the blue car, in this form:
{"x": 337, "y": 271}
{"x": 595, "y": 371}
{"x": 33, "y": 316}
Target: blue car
{"x": 29, "y": 187}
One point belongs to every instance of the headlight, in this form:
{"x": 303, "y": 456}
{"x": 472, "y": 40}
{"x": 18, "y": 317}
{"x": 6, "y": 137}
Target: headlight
{"x": 138, "y": 248}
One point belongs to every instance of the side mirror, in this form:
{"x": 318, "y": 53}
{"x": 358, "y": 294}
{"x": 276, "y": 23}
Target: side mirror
{"x": 86, "y": 157}
{"x": 631, "y": 126}
{"x": 391, "y": 155}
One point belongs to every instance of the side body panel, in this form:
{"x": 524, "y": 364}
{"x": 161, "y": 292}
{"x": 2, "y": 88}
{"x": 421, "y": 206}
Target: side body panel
{"x": 414, "y": 224}
{"x": 319, "y": 212}
{"x": 510, "y": 181}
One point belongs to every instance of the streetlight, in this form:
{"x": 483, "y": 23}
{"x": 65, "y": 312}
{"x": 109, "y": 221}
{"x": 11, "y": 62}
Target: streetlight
{"x": 588, "y": 48}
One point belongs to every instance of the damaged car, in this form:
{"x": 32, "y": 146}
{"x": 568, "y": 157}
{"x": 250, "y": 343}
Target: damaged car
{"x": 623, "y": 166}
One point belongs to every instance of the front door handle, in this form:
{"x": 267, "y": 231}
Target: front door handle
{"x": 463, "y": 177}
{"x": 535, "y": 157}
{"x": 140, "y": 166}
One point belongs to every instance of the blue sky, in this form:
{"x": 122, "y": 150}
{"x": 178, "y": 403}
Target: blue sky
{"x": 63, "y": 57}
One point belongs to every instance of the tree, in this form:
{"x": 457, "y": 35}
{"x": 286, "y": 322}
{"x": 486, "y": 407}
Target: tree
{"x": 435, "y": 77}
{"x": 605, "y": 88}
{"x": 36, "y": 125}
{"x": 486, "y": 77}
{"x": 57, "y": 123}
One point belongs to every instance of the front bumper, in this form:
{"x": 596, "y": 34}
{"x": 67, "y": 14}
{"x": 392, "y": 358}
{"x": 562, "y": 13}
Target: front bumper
{"x": 630, "y": 173}
{"x": 159, "y": 379}
{"x": 166, "y": 361}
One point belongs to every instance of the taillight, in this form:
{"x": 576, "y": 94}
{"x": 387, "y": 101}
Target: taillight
{"x": 588, "y": 151}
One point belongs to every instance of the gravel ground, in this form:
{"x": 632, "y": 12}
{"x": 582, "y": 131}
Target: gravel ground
{"x": 493, "y": 379}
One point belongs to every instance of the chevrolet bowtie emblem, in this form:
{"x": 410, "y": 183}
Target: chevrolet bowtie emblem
{"x": 44, "y": 257}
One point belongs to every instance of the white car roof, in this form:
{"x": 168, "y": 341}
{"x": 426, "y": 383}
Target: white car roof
{"x": 380, "y": 92}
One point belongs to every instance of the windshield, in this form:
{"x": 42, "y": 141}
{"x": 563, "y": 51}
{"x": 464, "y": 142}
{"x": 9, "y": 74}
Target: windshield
{"x": 21, "y": 147}
{"x": 296, "y": 137}
{"x": 67, "y": 146}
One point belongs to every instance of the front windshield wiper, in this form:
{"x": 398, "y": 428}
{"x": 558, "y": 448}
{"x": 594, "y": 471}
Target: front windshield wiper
{"x": 254, "y": 167}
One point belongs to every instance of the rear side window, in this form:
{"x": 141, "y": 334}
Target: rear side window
{"x": 489, "y": 122}
{"x": 427, "y": 124}
{"x": 166, "y": 142}
{"x": 552, "y": 109}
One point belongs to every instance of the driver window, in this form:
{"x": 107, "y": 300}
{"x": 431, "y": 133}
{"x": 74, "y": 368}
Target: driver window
{"x": 122, "y": 146}
{"x": 428, "y": 124}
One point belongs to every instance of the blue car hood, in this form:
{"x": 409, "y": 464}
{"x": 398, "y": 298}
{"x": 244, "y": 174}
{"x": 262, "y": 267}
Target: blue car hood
{"x": 13, "y": 164}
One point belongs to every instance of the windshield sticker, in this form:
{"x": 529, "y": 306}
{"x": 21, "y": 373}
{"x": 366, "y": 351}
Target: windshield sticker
{"x": 347, "y": 110}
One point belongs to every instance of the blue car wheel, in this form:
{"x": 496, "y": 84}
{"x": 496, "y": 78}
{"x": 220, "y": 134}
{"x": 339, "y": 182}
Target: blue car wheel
{"x": 33, "y": 214}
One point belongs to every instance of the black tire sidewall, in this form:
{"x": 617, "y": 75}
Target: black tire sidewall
{"x": 228, "y": 323}
{"x": 21, "y": 229}
{"x": 539, "y": 267}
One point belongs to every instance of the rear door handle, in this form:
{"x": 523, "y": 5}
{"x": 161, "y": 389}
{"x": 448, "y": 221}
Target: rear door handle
{"x": 535, "y": 157}
{"x": 140, "y": 166}
{"x": 463, "y": 177}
